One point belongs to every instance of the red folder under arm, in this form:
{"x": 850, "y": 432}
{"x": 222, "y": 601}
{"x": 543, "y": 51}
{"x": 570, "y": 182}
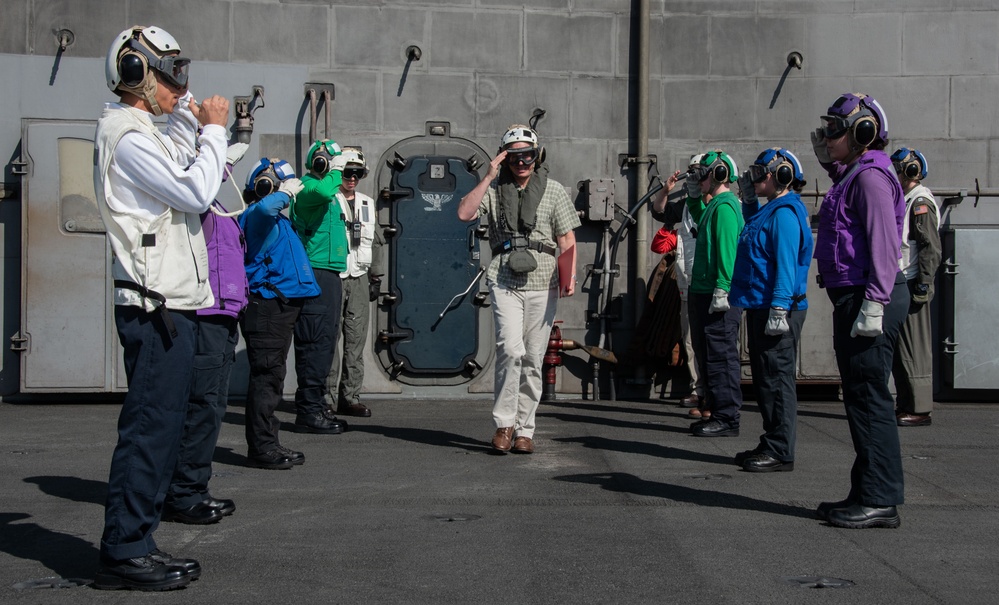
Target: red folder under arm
{"x": 566, "y": 270}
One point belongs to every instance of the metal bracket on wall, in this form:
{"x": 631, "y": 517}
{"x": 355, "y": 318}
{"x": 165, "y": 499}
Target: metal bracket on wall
{"x": 244, "y": 115}
{"x": 18, "y": 343}
{"x": 20, "y": 167}
{"x": 623, "y": 160}
{"x": 314, "y": 92}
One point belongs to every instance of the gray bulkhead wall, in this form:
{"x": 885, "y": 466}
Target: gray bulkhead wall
{"x": 715, "y": 67}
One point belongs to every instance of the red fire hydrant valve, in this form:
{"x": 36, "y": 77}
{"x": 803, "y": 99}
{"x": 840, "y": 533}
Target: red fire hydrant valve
{"x": 552, "y": 361}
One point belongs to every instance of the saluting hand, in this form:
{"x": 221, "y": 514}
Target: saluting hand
{"x": 494, "y": 165}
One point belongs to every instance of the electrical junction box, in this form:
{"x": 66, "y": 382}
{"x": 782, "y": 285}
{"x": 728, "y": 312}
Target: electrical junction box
{"x": 599, "y": 199}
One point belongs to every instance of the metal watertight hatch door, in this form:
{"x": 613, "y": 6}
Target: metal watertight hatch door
{"x": 66, "y": 315}
{"x": 432, "y": 261}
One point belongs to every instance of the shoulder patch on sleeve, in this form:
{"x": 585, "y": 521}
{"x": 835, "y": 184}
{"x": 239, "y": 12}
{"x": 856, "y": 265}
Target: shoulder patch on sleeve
{"x": 921, "y": 209}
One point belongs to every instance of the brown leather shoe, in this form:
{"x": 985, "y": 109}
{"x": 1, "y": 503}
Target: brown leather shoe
{"x": 501, "y": 440}
{"x": 914, "y": 419}
{"x": 353, "y": 409}
{"x": 700, "y": 412}
{"x": 523, "y": 445}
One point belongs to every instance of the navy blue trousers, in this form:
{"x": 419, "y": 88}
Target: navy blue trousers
{"x": 316, "y": 333}
{"x": 267, "y": 324}
{"x": 150, "y": 427}
{"x": 864, "y": 366}
{"x": 215, "y": 350}
{"x": 773, "y": 360}
{"x": 715, "y": 337}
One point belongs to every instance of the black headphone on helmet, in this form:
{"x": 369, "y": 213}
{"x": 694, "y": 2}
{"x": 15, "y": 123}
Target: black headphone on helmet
{"x": 865, "y": 130}
{"x": 321, "y": 161}
{"x": 132, "y": 67}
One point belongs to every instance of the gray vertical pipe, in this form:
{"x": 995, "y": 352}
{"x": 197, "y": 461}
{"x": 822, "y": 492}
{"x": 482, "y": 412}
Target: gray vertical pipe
{"x": 642, "y": 172}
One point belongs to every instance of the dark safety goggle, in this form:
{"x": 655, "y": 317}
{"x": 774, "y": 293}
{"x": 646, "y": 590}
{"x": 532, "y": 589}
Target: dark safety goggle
{"x": 698, "y": 173}
{"x": 353, "y": 173}
{"x": 757, "y": 173}
{"x": 526, "y": 157}
{"x": 834, "y": 126}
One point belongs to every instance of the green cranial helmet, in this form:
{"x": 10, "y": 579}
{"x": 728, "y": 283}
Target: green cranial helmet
{"x": 720, "y": 166}
{"x": 320, "y": 156}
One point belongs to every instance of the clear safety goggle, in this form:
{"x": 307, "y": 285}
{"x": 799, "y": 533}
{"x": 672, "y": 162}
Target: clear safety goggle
{"x": 172, "y": 68}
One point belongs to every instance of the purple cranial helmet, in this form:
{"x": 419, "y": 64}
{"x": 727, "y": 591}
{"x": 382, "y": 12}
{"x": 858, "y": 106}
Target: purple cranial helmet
{"x": 857, "y": 113}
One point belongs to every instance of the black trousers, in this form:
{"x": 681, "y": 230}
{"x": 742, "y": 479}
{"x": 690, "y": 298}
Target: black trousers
{"x": 316, "y": 334}
{"x": 715, "y": 337}
{"x": 267, "y": 326}
{"x": 864, "y": 367}
{"x": 215, "y": 347}
{"x": 150, "y": 426}
{"x": 773, "y": 360}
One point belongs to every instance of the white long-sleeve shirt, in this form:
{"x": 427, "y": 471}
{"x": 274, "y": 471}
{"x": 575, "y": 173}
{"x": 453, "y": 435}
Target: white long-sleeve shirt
{"x": 144, "y": 182}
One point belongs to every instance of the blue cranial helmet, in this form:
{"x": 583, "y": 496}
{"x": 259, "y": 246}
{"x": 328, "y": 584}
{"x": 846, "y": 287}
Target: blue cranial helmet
{"x": 266, "y": 177}
{"x": 910, "y": 163}
{"x": 780, "y": 162}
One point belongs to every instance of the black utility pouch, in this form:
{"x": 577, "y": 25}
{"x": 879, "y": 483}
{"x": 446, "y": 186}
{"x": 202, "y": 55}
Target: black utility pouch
{"x": 521, "y": 261}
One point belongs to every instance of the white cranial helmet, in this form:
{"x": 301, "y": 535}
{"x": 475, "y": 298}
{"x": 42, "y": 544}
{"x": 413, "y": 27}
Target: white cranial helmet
{"x": 520, "y": 134}
{"x": 352, "y": 156}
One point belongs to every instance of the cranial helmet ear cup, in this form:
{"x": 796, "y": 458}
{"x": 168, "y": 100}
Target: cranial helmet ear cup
{"x": 784, "y": 174}
{"x": 541, "y": 156}
{"x": 132, "y": 69}
{"x": 720, "y": 173}
{"x": 865, "y": 131}
{"x": 911, "y": 170}
{"x": 264, "y": 186}
{"x": 320, "y": 164}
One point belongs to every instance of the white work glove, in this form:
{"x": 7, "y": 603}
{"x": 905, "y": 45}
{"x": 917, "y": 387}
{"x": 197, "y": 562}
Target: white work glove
{"x": 777, "y": 322}
{"x": 819, "y": 145}
{"x": 869, "y": 320}
{"x": 693, "y": 186}
{"x": 235, "y": 152}
{"x": 747, "y": 191}
{"x": 291, "y": 187}
{"x": 719, "y": 301}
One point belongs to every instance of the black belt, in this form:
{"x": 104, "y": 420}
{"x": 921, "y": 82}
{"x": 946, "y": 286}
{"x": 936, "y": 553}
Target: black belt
{"x": 522, "y": 243}
{"x": 153, "y": 295}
